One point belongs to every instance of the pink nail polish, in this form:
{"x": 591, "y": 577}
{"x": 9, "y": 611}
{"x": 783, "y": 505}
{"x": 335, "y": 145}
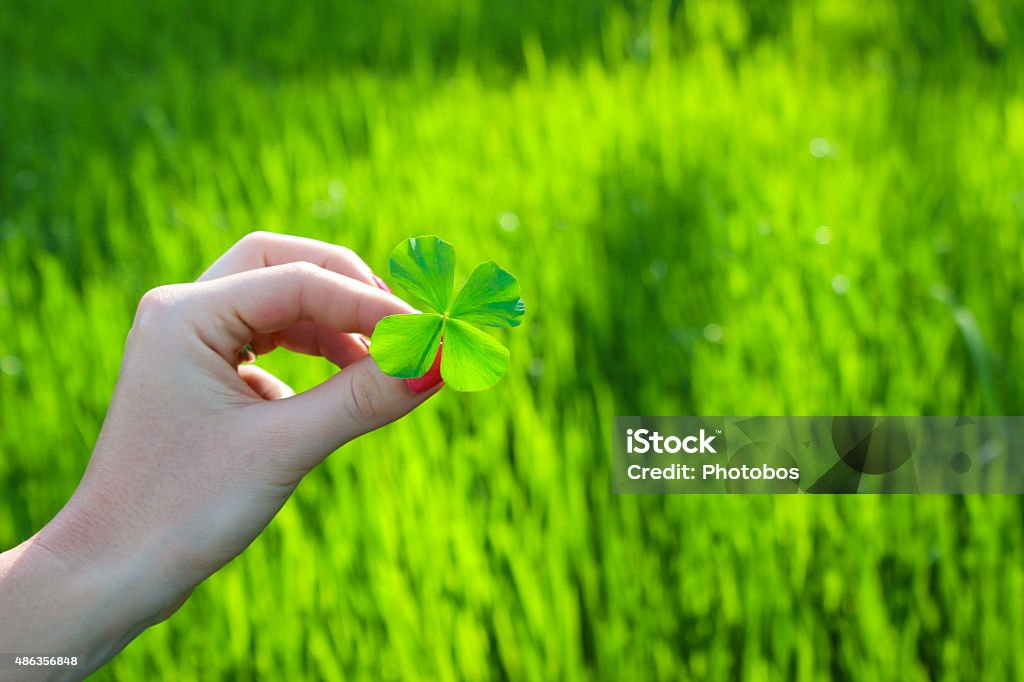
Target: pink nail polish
{"x": 380, "y": 284}
{"x": 429, "y": 380}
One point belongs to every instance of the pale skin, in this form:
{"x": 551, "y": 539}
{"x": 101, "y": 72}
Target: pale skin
{"x": 198, "y": 452}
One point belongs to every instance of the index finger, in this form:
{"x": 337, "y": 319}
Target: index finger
{"x": 229, "y": 311}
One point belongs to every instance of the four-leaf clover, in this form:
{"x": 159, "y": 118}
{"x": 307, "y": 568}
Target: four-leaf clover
{"x": 405, "y": 345}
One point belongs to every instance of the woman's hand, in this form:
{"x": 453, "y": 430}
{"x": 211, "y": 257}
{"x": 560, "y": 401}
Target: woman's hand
{"x": 197, "y": 452}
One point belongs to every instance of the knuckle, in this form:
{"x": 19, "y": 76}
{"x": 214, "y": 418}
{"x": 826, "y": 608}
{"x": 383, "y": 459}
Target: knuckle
{"x": 348, "y": 254}
{"x": 303, "y": 268}
{"x": 159, "y": 306}
{"x": 158, "y": 302}
{"x": 255, "y": 240}
{"x": 366, "y": 402}
{"x": 346, "y": 261}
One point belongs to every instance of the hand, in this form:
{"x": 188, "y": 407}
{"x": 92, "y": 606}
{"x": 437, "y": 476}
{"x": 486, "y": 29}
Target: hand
{"x": 198, "y": 453}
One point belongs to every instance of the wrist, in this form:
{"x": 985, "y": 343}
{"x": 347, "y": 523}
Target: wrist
{"x": 130, "y": 568}
{"x": 75, "y": 589}
{"x": 49, "y": 607}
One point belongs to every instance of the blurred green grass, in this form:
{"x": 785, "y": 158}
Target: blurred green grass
{"x": 713, "y": 208}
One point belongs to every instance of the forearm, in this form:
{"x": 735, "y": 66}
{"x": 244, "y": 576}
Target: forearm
{"x": 54, "y": 603}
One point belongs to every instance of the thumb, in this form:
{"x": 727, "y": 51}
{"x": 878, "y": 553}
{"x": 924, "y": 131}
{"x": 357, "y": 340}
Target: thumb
{"x": 356, "y": 400}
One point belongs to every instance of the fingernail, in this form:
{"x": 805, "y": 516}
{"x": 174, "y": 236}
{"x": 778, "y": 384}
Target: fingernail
{"x": 365, "y": 341}
{"x": 247, "y": 354}
{"x": 430, "y": 379}
{"x": 380, "y": 284}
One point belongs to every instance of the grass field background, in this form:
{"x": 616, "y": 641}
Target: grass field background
{"x": 712, "y": 207}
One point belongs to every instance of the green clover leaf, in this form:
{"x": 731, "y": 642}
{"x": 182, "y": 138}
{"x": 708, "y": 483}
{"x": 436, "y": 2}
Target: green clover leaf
{"x": 425, "y": 268}
{"x": 405, "y": 345}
